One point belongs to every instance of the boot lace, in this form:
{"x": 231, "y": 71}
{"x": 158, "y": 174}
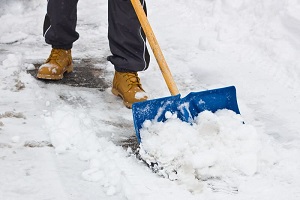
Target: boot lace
{"x": 132, "y": 79}
{"x": 55, "y": 53}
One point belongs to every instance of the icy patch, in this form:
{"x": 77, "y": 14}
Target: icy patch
{"x": 217, "y": 145}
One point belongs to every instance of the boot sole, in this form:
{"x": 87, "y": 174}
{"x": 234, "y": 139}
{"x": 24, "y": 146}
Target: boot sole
{"x": 68, "y": 69}
{"x": 117, "y": 93}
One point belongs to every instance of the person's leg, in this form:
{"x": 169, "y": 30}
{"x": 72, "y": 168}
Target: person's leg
{"x": 60, "y": 23}
{"x": 129, "y": 52}
{"x": 126, "y": 38}
{"x": 59, "y": 32}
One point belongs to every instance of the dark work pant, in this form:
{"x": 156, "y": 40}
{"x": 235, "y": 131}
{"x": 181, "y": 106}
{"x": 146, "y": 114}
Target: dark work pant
{"x": 127, "y": 41}
{"x": 60, "y": 23}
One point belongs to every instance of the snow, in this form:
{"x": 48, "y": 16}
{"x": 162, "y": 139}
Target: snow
{"x": 216, "y": 145}
{"x": 63, "y": 142}
{"x": 140, "y": 95}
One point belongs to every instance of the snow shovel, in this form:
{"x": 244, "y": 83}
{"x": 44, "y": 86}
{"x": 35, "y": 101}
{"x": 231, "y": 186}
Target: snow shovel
{"x": 186, "y": 108}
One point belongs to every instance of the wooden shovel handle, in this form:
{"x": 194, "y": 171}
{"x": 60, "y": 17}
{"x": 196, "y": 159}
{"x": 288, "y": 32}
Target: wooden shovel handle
{"x": 155, "y": 47}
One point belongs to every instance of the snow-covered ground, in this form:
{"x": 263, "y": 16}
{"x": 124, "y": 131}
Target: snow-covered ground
{"x": 62, "y": 142}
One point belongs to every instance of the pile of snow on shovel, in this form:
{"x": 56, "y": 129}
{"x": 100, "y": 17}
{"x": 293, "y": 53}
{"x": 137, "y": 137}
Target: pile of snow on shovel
{"x": 216, "y": 145}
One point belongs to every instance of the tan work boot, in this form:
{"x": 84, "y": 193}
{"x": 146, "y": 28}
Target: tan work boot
{"x": 127, "y": 85}
{"x": 59, "y": 62}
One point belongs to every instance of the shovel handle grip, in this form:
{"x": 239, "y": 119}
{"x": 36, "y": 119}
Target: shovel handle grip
{"x": 155, "y": 47}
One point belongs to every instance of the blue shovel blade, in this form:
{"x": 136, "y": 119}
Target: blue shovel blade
{"x": 186, "y": 108}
